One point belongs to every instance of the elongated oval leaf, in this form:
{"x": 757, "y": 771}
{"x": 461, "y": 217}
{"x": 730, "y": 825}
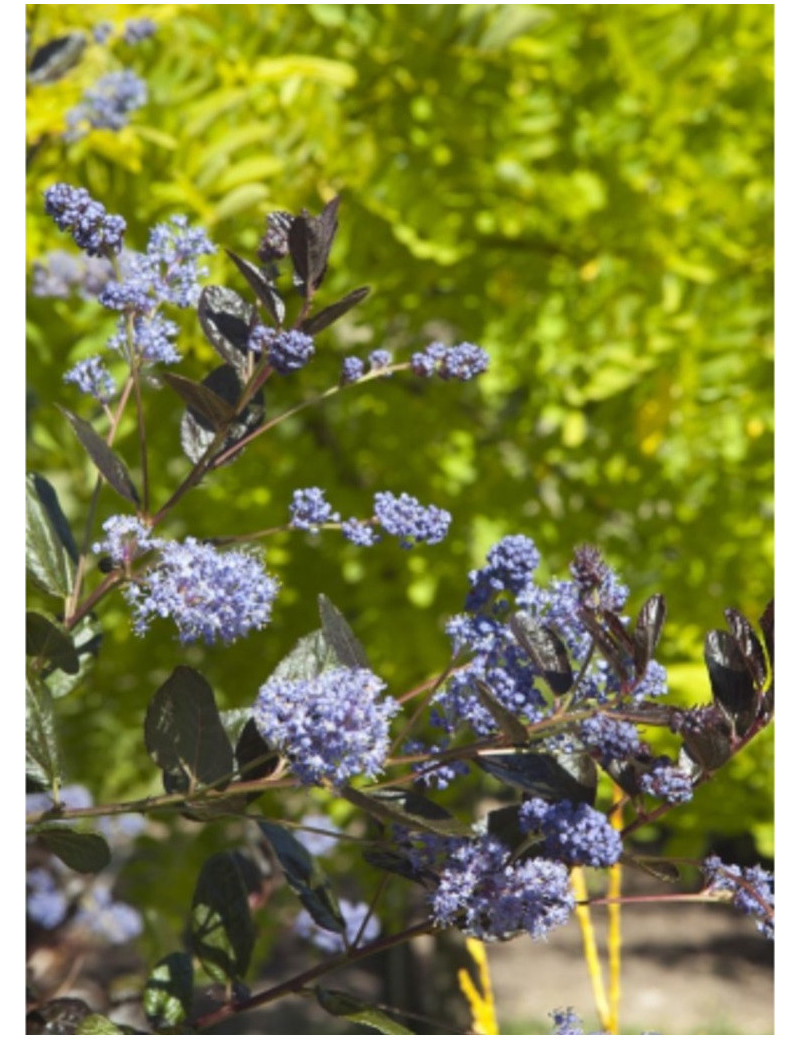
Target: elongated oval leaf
{"x": 107, "y": 461}
{"x": 167, "y": 997}
{"x": 264, "y": 289}
{"x": 198, "y": 432}
{"x": 42, "y": 767}
{"x": 49, "y": 547}
{"x": 184, "y": 734}
{"x": 310, "y": 657}
{"x": 46, "y": 640}
{"x": 222, "y": 933}
{"x": 305, "y": 876}
{"x": 647, "y": 633}
{"x": 227, "y": 321}
{"x": 343, "y": 1005}
{"x": 88, "y": 853}
{"x": 255, "y": 759}
{"x": 201, "y": 399}
{"x": 545, "y": 649}
{"x": 731, "y": 681}
{"x": 390, "y": 809}
{"x": 328, "y": 315}
{"x": 507, "y": 722}
{"x": 547, "y": 775}
{"x": 749, "y": 646}
{"x": 56, "y": 57}
{"x": 99, "y": 1025}
{"x": 310, "y": 241}
{"x": 340, "y": 636}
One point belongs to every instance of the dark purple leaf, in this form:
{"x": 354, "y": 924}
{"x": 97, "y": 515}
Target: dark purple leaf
{"x": 109, "y": 464}
{"x": 749, "y": 645}
{"x": 617, "y": 655}
{"x": 305, "y": 876}
{"x": 310, "y": 241}
{"x": 545, "y": 650}
{"x": 328, "y": 315}
{"x": 227, "y": 321}
{"x": 197, "y": 431}
{"x": 647, "y": 632}
{"x": 553, "y": 775}
{"x": 400, "y": 807}
{"x": 731, "y": 681}
{"x": 261, "y": 285}
{"x": 202, "y": 400}
{"x": 56, "y": 57}
{"x": 508, "y": 723}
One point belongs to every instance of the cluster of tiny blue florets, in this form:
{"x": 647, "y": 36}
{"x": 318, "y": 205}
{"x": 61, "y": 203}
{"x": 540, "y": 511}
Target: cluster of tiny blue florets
{"x": 566, "y": 1023}
{"x": 126, "y": 538}
{"x": 509, "y": 568}
{"x": 464, "y": 361}
{"x": 753, "y": 890}
{"x": 210, "y": 595}
{"x": 108, "y": 104}
{"x": 380, "y": 359}
{"x": 332, "y": 727}
{"x": 360, "y": 532}
{"x": 354, "y": 915}
{"x": 286, "y": 351}
{"x": 93, "y": 229}
{"x": 92, "y": 377}
{"x": 352, "y": 370}
{"x": 666, "y": 780}
{"x": 138, "y": 29}
{"x": 486, "y": 895}
{"x": 310, "y": 510}
{"x": 577, "y": 835}
{"x": 612, "y": 739}
{"x": 403, "y": 516}
{"x": 59, "y": 274}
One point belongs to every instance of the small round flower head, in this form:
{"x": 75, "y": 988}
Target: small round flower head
{"x": 403, "y": 516}
{"x": 462, "y": 362}
{"x": 566, "y": 1023}
{"x": 92, "y": 377}
{"x": 577, "y": 835}
{"x": 352, "y": 370}
{"x": 309, "y": 510}
{"x": 333, "y": 942}
{"x": 138, "y": 29}
{"x": 668, "y": 781}
{"x": 316, "y": 843}
{"x": 130, "y": 296}
{"x": 108, "y": 919}
{"x": 379, "y": 359}
{"x": 47, "y": 905}
{"x": 286, "y": 351}
{"x": 510, "y": 564}
{"x": 360, "y": 532}
{"x": 332, "y": 727}
{"x": 126, "y": 538}
{"x": 152, "y": 339}
{"x": 102, "y": 31}
{"x": 210, "y": 595}
{"x": 275, "y": 243}
{"x": 431, "y": 774}
{"x": 610, "y": 738}
{"x": 74, "y": 210}
{"x": 173, "y": 251}
{"x": 108, "y": 104}
{"x": 752, "y": 888}
{"x": 652, "y": 684}
{"x": 488, "y": 897}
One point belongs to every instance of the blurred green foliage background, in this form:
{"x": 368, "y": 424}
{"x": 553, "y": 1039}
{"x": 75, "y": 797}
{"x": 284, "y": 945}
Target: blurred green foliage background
{"x": 585, "y": 190}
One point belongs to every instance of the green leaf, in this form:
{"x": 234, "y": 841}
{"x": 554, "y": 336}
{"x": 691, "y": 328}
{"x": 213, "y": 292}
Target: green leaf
{"x": 46, "y": 640}
{"x": 394, "y": 805}
{"x": 227, "y": 321}
{"x": 84, "y": 851}
{"x": 48, "y": 542}
{"x": 311, "y": 656}
{"x": 305, "y": 876}
{"x": 107, "y": 461}
{"x": 343, "y": 1005}
{"x": 42, "y": 766}
{"x": 254, "y": 757}
{"x": 340, "y": 636}
{"x": 99, "y": 1025}
{"x": 87, "y": 638}
{"x": 167, "y": 997}
{"x": 222, "y": 933}
{"x": 184, "y": 734}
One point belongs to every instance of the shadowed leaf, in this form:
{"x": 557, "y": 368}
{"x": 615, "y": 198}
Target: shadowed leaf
{"x": 328, "y": 315}
{"x": 310, "y": 241}
{"x": 56, "y": 57}
{"x": 202, "y": 400}
{"x": 342, "y": 1005}
{"x": 167, "y": 997}
{"x": 548, "y": 775}
{"x": 392, "y": 805}
{"x": 340, "y": 636}
{"x": 108, "y": 462}
{"x": 198, "y": 432}
{"x": 647, "y": 633}
{"x": 545, "y": 650}
{"x": 42, "y": 766}
{"x": 749, "y": 646}
{"x": 265, "y": 291}
{"x": 222, "y": 933}
{"x": 731, "y": 681}
{"x": 47, "y": 641}
{"x": 227, "y": 321}
{"x": 49, "y": 547}
{"x": 87, "y": 853}
{"x": 305, "y": 877}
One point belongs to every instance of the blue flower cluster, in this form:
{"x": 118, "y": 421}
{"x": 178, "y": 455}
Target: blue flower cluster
{"x": 286, "y": 351}
{"x": 333, "y": 942}
{"x": 666, "y": 780}
{"x": 332, "y": 727}
{"x": 360, "y": 532}
{"x": 752, "y": 888}
{"x": 93, "y": 378}
{"x": 310, "y": 510}
{"x": 487, "y": 895}
{"x": 510, "y": 566}
{"x": 566, "y": 1023}
{"x": 92, "y": 228}
{"x": 126, "y": 538}
{"x": 462, "y": 362}
{"x": 403, "y": 516}
{"x": 577, "y": 835}
{"x": 60, "y": 274}
{"x": 612, "y": 739}
{"x": 138, "y": 29}
{"x": 352, "y": 370}
{"x": 380, "y": 359}
{"x": 210, "y": 595}
{"x": 108, "y": 104}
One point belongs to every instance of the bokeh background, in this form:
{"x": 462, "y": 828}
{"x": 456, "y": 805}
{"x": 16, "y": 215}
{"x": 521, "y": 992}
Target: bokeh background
{"x": 584, "y": 190}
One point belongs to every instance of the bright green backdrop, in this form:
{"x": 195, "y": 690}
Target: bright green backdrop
{"x": 584, "y": 190}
